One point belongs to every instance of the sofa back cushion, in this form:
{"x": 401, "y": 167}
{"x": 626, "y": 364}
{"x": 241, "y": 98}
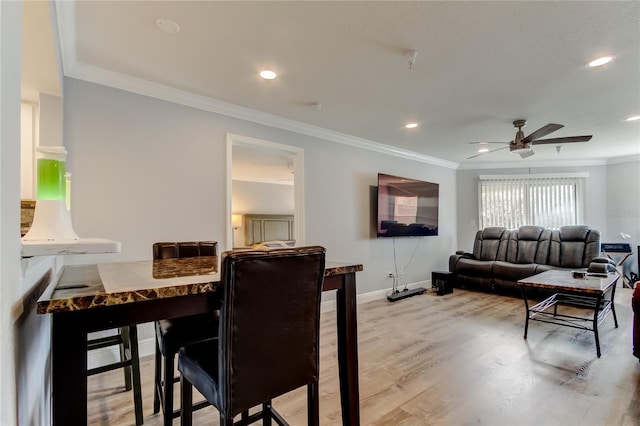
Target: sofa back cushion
{"x": 490, "y": 243}
{"x": 574, "y": 246}
{"x": 529, "y": 244}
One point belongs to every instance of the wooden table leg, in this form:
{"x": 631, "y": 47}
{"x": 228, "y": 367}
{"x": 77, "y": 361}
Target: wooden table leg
{"x": 348, "y": 350}
{"x": 68, "y": 371}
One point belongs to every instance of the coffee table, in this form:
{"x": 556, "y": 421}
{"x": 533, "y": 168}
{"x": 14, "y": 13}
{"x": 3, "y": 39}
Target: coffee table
{"x": 594, "y": 292}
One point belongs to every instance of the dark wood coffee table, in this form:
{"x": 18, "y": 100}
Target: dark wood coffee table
{"x": 594, "y": 292}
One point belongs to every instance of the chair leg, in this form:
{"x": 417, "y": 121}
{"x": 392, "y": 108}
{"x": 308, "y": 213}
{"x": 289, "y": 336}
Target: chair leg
{"x": 135, "y": 374}
{"x": 125, "y": 350}
{"x": 266, "y": 413}
{"x": 186, "y": 402}
{"x": 167, "y": 403}
{"x": 157, "y": 380}
{"x": 313, "y": 404}
{"x": 225, "y": 421}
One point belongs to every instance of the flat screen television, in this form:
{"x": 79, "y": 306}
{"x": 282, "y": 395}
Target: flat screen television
{"x": 406, "y": 207}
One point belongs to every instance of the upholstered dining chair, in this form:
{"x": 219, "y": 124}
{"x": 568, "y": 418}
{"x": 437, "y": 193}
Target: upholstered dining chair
{"x": 172, "y": 334}
{"x": 268, "y": 336}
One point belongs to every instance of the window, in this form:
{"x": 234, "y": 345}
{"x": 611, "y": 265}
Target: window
{"x": 550, "y": 201}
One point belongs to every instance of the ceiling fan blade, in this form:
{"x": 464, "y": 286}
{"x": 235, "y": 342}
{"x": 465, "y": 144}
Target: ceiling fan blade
{"x": 542, "y": 131}
{"x": 488, "y": 152}
{"x": 562, "y": 140}
{"x": 482, "y": 143}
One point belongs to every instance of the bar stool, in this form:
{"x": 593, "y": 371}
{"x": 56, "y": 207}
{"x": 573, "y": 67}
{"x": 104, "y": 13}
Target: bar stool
{"x": 268, "y": 339}
{"x": 127, "y": 340}
{"x": 173, "y": 334}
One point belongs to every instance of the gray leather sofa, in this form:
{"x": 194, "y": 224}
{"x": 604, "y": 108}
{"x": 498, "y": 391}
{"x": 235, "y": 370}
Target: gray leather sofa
{"x": 501, "y": 257}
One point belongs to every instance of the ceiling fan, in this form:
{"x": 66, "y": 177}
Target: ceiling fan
{"x": 522, "y": 145}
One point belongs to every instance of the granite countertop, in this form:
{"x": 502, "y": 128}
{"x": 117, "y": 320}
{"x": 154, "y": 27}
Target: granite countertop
{"x": 563, "y": 280}
{"x": 90, "y": 286}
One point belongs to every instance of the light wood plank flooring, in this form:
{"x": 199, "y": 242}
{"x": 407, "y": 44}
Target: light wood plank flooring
{"x": 458, "y": 359}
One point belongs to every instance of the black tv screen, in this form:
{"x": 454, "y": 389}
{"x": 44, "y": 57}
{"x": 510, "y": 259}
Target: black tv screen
{"x": 406, "y": 207}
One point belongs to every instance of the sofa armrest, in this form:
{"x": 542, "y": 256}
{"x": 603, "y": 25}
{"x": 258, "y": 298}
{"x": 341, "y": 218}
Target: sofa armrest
{"x": 602, "y": 259}
{"x": 463, "y": 253}
{"x": 454, "y": 258}
{"x": 601, "y": 267}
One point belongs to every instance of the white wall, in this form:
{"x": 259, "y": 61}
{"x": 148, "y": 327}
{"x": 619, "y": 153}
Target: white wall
{"x": 50, "y": 121}
{"x": 622, "y": 207}
{"x": 10, "y": 289}
{"x": 259, "y": 198}
{"x": 467, "y": 197}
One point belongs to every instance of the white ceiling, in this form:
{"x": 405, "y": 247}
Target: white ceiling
{"x": 479, "y": 66}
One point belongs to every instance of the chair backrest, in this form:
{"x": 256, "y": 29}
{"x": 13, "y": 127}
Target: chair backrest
{"x": 490, "y": 243}
{"x": 269, "y": 324}
{"x": 574, "y": 246}
{"x": 173, "y": 250}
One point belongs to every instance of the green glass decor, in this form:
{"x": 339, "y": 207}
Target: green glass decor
{"x": 52, "y": 183}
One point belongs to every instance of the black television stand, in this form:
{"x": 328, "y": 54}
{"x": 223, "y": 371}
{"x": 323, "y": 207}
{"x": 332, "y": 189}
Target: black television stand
{"x": 403, "y": 294}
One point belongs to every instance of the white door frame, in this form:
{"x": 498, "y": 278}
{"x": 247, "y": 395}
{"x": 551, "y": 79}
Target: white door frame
{"x": 297, "y": 155}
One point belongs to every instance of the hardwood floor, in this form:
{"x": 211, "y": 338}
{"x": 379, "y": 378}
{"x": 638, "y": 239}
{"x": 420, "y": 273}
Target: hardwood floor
{"x": 458, "y": 359}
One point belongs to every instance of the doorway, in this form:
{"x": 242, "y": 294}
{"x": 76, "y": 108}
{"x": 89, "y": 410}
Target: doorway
{"x": 269, "y": 163}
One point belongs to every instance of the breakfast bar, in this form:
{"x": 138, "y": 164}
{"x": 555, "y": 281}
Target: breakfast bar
{"x": 96, "y": 297}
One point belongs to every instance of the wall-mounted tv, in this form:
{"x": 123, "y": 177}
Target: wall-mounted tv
{"x": 406, "y": 207}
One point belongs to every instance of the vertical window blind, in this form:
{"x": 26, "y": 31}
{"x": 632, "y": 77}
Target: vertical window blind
{"x": 550, "y": 201}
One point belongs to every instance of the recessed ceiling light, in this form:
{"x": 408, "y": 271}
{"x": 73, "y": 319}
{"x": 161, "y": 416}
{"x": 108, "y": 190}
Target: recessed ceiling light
{"x": 411, "y": 125}
{"x": 268, "y": 74}
{"x": 633, "y": 118}
{"x": 483, "y": 150}
{"x": 167, "y": 25}
{"x": 600, "y": 61}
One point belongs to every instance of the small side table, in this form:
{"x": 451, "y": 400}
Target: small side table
{"x": 442, "y": 282}
{"x": 620, "y": 258}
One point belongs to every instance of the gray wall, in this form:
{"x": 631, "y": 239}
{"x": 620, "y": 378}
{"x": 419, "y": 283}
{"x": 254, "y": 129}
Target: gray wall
{"x": 146, "y": 170}
{"x": 467, "y": 197}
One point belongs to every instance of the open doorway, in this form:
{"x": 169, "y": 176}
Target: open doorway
{"x": 273, "y": 173}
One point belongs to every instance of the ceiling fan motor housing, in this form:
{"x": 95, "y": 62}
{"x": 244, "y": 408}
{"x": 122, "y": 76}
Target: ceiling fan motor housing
{"x": 518, "y": 145}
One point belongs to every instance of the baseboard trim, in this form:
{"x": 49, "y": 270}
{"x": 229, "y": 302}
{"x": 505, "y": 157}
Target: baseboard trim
{"x": 146, "y": 346}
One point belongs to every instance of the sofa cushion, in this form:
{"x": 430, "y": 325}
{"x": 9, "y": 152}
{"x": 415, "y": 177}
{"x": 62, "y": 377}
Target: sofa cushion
{"x": 512, "y": 271}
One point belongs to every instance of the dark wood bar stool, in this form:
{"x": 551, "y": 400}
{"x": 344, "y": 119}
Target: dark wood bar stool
{"x": 127, "y": 340}
{"x": 173, "y": 334}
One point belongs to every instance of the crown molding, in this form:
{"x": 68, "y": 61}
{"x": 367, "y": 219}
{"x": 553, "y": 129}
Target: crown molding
{"x": 146, "y": 88}
{"x": 531, "y": 164}
{"x": 627, "y": 159}
{"x": 65, "y": 11}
